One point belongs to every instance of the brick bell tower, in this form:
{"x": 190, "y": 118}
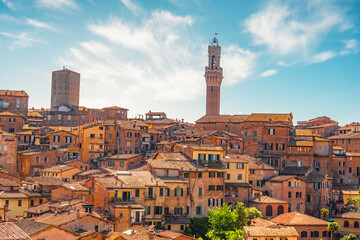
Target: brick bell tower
{"x": 213, "y": 78}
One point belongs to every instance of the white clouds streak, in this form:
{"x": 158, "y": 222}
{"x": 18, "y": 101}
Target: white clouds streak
{"x": 21, "y": 40}
{"x": 57, "y": 4}
{"x": 38, "y": 24}
{"x": 9, "y": 4}
{"x": 131, "y": 6}
{"x": 268, "y": 73}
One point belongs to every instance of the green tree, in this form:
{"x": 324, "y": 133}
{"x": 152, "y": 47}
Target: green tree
{"x": 242, "y": 216}
{"x": 353, "y": 205}
{"x": 252, "y": 213}
{"x": 198, "y": 227}
{"x": 350, "y": 237}
{"x": 324, "y": 212}
{"x": 224, "y": 223}
{"x": 333, "y": 227}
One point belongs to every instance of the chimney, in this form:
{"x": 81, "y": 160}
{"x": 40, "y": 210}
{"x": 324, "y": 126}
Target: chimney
{"x": 157, "y": 182}
{"x": 78, "y": 213}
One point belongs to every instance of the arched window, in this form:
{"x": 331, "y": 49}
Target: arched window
{"x": 289, "y": 208}
{"x": 356, "y": 224}
{"x": 269, "y": 211}
{"x": 303, "y": 234}
{"x": 346, "y": 224}
{"x": 280, "y": 210}
{"x": 324, "y": 233}
{"x": 316, "y": 234}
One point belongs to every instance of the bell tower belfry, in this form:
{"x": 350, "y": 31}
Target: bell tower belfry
{"x": 213, "y": 78}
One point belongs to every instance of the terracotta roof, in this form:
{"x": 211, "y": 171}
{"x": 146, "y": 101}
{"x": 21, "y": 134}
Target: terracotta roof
{"x": 45, "y": 181}
{"x": 295, "y": 170}
{"x": 283, "y": 178}
{"x": 115, "y": 108}
{"x": 172, "y": 156}
{"x": 351, "y": 135}
{"x": 17, "y": 93}
{"x": 66, "y": 70}
{"x": 261, "y": 222}
{"x": 353, "y": 154}
{"x": 315, "y": 177}
{"x": 254, "y": 165}
{"x": 270, "y": 231}
{"x": 12, "y": 195}
{"x": 34, "y": 114}
{"x": 170, "y": 179}
{"x": 238, "y": 158}
{"x": 304, "y": 132}
{"x": 296, "y": 218}
{"x": 45, "y": 207}
{"x": 123, "y": 156}
{"x": 353, "y": 215}
{"x": 8, "y": 183}
{"x": 9, "y": 231}
{"x": 74, "y": 187}
{"x": 10, "y": 114}
{"x": 269, "y": 117}
{"x": 350, "y": 192}
{"x": 58, "y": 168}
{"x": 172, "y": 164}
{"x": 337, "y": 148}
{"x": 266, "y": 199}
{"x": 31, "y": 227}
{"x": 222, "y": 118}
{"x": 206, "y": 147}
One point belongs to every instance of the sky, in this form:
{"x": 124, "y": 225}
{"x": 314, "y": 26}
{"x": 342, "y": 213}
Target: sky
{"x": 277, "y": 56}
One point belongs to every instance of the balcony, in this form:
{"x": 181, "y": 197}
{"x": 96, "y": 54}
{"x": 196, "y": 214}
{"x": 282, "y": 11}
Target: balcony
{"x": 211, "y": 164}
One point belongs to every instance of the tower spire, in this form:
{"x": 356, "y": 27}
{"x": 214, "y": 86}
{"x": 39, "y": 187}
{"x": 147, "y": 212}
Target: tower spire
{"x": 213, "y": 78}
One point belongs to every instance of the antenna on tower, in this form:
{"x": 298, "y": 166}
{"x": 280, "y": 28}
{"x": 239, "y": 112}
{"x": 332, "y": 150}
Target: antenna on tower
{"x": 63, "y": 67}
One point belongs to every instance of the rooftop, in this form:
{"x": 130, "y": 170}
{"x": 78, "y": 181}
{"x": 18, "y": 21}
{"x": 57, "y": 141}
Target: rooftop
{"x": 9, "y": 231}
{"x": 270, "y": 231}
{"x": 266, "y": 199}
{"x": 296, "y": 218}
{"x": 17, "y": 93}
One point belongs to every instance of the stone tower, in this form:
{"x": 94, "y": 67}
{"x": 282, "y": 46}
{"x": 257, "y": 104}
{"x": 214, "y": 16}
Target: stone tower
{"x": 213, "y": 78}
{"x": 65, "y": 89}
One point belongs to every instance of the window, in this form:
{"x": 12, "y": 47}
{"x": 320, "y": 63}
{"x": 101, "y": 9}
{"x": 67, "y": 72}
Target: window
{"x": 271, "y": 131}
{"x": 188, "y": 191}
{"x": 7, "y": 202}
{"x": 158, "y": 210}
{"x": 110, "y": 135}
{"x": 19, "y": 203}
{"x": 211, "y": 187}
{"x": 211, "y": 202}
{"x": 280, "y": 210}
{"x": 220, "y": 174}
{"x": 186, "y": 175}
{"x": 245, "y": 133}
{"x": 315, "y": 234}
{"x": 69, "y": 117}
{"x": 227, "y": 165}
{"x": 324, "y": 233}
{"x": 308, "y": 198}
{"x": 161, "y": 191}
{"x": 350, "y": 169}
{"x": 137, "y": 192}
{"x": 56, "y": 138}
{"x": 289, "y": 195}
{"x": 121, "y": 215}
{"x": 17, "y": 103}
{"x": 255, "y": 133}
{"x": 219, "y": 188}
{"x": 92, "y": 135}
{"x": 187, "y": 210}
{"x": 240, "y": 165}
{"x": 68, "y": 139}
{"x": 228, "y": 176}
{"x": 121, "y": 163}
{"x": 169, "y": 227}
{"x": 59, "y": 117}
{"x": 239, "y": 177}
{"x": 356, "y": 224}
{"x": 182, "y": 227}
{"x": 289, "y": 184}
{"x": 346, "y": 224}
{"x": 200, "y": 191}
{"x": 178, "y": 211}
{"x": 303, "y": 234}
{"x": 198, "y": 210}
{"x": 129, "y": 134}
{"x": 148, "y": 210}
{"x": 211, "y": 174}
{"x": 269, "y": 211}
{"x": 168, "y": 192}
{"x": 199, "y": 175}
{"x": 252, "y": 171}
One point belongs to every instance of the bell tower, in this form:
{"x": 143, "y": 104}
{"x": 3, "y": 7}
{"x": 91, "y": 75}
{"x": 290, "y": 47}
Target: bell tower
{"x": 213, "y": 78}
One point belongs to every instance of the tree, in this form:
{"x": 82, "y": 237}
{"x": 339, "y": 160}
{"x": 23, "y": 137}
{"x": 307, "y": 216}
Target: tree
{"x": 224, "y": 223}
{"x": 350, "y": 237}
{"x": 252, "y": 213}
{"x": 198, "y": 227}
{"x": 353, "y": 205}
{"x": 242, "y": 216}
{"x": 333, "y": 227}
{"x": 324, "y": 212}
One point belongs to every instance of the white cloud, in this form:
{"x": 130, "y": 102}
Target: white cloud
{"x": 131, "y": 6}
{"x": 38, "y": 24}
{"x": 351, "y": 46}
{"x": 9, "y": 4}
{"x": 237, "y": 63}
{"x": 293, "y": 33}
{"x": 21, "y": 40}
{"x": 57, "y": 4}
{"x": 7, "y": 18}
{"x": 321, "y": 57}
{"x": 157, "y": 64}
{"x": 269, "y": 72}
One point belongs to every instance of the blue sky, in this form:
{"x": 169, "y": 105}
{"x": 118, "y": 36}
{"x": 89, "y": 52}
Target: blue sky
{"x": 278, "y": 56}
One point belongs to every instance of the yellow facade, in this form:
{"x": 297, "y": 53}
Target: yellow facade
{"x": 273, "y": 238}
{"x": 352, "y": 223}
{"x": 236, "y": 171}
{"x": 206, "y": 153}
{"x": 13, "y": 206}
{"x": 347, "y": 195}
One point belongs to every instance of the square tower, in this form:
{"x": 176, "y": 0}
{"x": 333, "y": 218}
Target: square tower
{"x": 213, "y": 78}
{"x": 65, "y": 89}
